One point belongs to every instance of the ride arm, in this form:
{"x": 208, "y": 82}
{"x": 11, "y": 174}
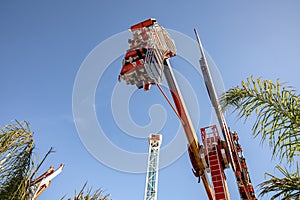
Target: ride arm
{"x": 194, "y": 147}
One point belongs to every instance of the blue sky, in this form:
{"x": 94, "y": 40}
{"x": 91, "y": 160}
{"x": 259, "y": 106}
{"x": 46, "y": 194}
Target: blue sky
{"x": 43, "y": 45}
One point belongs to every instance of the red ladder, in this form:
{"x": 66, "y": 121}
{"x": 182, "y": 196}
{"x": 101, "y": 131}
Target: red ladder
{"x": 212, "y": 145}
{"x": 216, "y": 174}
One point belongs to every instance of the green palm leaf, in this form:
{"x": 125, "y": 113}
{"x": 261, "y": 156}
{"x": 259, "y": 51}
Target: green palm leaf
{"x": 277, "y": 110}
{"x": 286, "y": 188}
{"x": 90, "y": 195}
{"x": 15, "y": 159}
{"x": 277, "y": 121}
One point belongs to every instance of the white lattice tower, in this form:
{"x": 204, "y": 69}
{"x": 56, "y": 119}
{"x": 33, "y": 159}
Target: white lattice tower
{"x": 152, "y": 170}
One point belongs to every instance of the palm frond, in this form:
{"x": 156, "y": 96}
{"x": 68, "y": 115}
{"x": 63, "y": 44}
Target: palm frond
{"x": 35, "y": 170}
{"x": 90, "y": 195}
{"x": 16, "y": 142}
{"x": 277, "y": 110}
{"x": 286, "y": 188}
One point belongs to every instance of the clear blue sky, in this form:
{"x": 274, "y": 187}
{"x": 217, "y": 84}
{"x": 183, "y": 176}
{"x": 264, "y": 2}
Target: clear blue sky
{"x": 43, "y": 44}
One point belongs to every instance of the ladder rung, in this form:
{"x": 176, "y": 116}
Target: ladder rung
{"x": 218, "y": 184}
{"x": 216, "y": 178}
{"x": 214, "y": 164}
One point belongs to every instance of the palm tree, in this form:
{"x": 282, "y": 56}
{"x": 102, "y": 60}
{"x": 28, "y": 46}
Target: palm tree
{"x": 18, "y": 169}
{"x": 16, "y": 146}
{"x": 277, "y": 113}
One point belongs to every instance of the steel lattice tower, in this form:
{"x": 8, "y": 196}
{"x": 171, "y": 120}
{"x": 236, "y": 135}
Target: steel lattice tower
{"x": 152, "y": 170}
